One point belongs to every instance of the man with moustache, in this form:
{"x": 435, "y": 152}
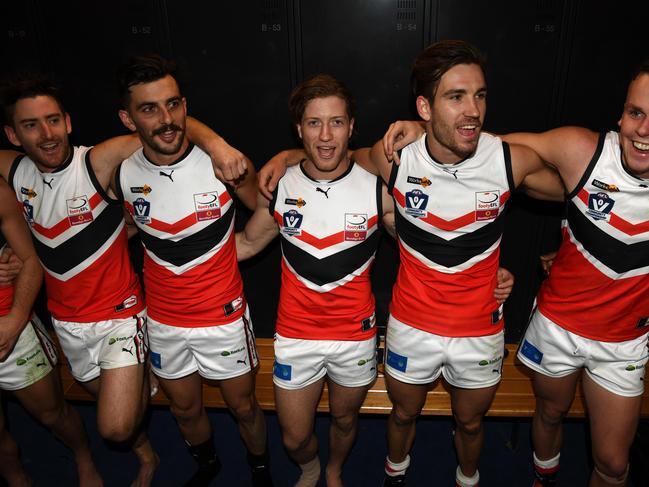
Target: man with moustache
{"x": 185, "y": 217}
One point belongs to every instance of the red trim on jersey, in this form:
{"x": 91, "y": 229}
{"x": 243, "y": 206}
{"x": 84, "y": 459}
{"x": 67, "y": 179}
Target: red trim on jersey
{"x": 441, "y": 223}
{"x": 180, "y": 225}
{"x": 618, "y": 222}
{"x": 196, "y": 297}
{"x": 64, "y": 224}
{"x": 334, "y": 315}
{"x": 579, "y": 298}
{"x": 455, "y": 305}
{"x": 6, "y": 299}
{"x": 93, "y": 294}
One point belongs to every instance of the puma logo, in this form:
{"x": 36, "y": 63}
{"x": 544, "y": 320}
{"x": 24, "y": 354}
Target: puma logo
{"x": 129, "y": 350}
{"x": 320, "y": 190}
{"x": 162, "y": 173}
{"x": 41, "y": 364}
{"x": 242, "y": 361}
{"x": 451, "y": 172}
{"x": 49, "y": 183}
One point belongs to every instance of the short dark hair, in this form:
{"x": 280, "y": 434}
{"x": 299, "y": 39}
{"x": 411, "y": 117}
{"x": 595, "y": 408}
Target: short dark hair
{"x": 318, "y": 86}
{"x": 26, "y": 85}
{"x": 642, "y": 68}
{"x": 437, "y": 59}
{"x": 142, "y": 69}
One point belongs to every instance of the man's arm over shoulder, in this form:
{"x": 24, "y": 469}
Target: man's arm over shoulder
{"x": 7, "y": 158}
{"x": 388, "y": 212}
{"x": 258, "y": 232}
{"x": 533, "y": 176}
{"x": 380, "y": 161}
{"x": 107, "y": 155}
{"x": 275, "y": 168}
{"x": 246, "y": 186}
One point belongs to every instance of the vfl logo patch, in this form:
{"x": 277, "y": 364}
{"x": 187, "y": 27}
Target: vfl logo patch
{"x": 295, "y": 202}
{"x": 416, "y": 201}
{"x": 531, "y": 352}
{"x": 487, "y": 205}
{"x": 600, "y": 206}
{"x": 292, "y": 223}
{"x": 282, "y": 371}
{"x": 79, "y": 211}
{"x": 605, "y": 186}
{"x": 141, "y": 211}
{"x": 396, "y": 361}
{"x": 29, "y": 211}
{"x": 355, "y": 226}
{"x": 425, "y": 182}
{"x": 29, "y": 192}
{"x": 208, "y": 206}
{"x": 145, "y": 190}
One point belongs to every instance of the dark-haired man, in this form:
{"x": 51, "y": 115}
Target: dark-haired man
{"x": 199, "y": 323}
{"x": 79, "y": 233}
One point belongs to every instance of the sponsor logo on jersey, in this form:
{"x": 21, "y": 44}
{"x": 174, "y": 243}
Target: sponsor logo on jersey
{"x": 29, "y": 211}
{"x": 127, "y": 303}
{"x": 396, "y": 361}
{"x": 79, "y": 210}
{"x": 208, "y": 206}
{"x": 368, "y": 323}
{"x": 292, "y": 223}
{"x": 141, "y": 211}
{"x": 355, "y": 226}
{"x": 642, "y": 322}
{"x": 416, "y": 201}
{"x": 233, "y": 306}
{"x": 425, "y": 182}
{"x": 497, "y": 315}
{"x": 29, "y": 192}
{"x": 487, "y": 205}
{"x": 605, "y": 186}
{"x": 299, "y": 202}
{"x": 282, "y": 371}
{"x": 531, "y": 352}
{"x": 600, "y": 206}
{"x": 145, "y": 190}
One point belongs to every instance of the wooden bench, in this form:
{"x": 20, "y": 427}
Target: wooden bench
{"x": 513, "y": 399}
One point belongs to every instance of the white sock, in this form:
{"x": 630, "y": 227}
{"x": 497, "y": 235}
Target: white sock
{"x": 393, "y": 469}
{"x": 310, "y": 473}
{"x": 463, "y": 481}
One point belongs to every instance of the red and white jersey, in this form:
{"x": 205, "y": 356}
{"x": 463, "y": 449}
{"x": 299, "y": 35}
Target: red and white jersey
{"x": 6, "y": 292}
{"x": 80, "y": 237}
{"x": 186, "y": 217}
{"x": 599, "y": 283}
{"x": 449, "y": 221}
{"x": 329, "y": 235}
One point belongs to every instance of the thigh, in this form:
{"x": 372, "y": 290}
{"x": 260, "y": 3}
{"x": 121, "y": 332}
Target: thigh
{"x": 185, "y": 393}
{"x": 474, "y": 362}
{"x": 351, "y": 364}
{"x": 345, "y": 401}
{"x": 296, "y": 408}
{"x": 408, "y": 399}
{"x": 120, "y": 391}
{"x": 239, "y": 391}
{"x": 298, "y": 363}
{"x": 470, "y": 405}
{"x": 42, "y": 396}
{"x": 556, "y": 393}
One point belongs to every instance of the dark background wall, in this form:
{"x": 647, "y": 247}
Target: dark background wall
{"x": 551, "y": 62}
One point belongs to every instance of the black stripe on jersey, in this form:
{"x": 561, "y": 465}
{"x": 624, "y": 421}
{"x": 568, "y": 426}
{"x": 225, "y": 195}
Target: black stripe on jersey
{"x": 118, "y": 183}
{"x": 273, "y": 202}
{"x": 76, "y": 249}
{"x": 449, "y": 253}
{"x": 393, "y": 176}
{"x": 13, "y": 169}
{"x": 332, "y": 268}
{"x": 379, "y": 201}
{"x": 191, "y": 247}
{"x": 95, "y": 182}
{"x": 508, "y": 166}
{"x": 615, "y": 255}
{"x": 589, "y": 168}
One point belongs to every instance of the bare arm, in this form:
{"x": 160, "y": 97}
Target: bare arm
{"x": 388, "y": 212}
{"x": 246, "y": 186}
{"x": 7, "y": 158}
{"x": 10, "y": 266}
{"x": 401, "y": 134}
{"x": 380, "y": 161}
{"x": 533, "y": 176}
{"x": 259, "y": 231}
{"x": 29, "y": 279}
{"x": 363, "y": 158}
{"x": 275, "y": 168}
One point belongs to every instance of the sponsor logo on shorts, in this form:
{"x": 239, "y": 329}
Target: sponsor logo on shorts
{"x": 227, "y": 353}
{"x": 24, "y": 360}
{"x": 632, "y": 367}
{"x": 114, "y": 340}
{"x": 29, "y": 211}
{"x": 492, "y": 361}
{"x": 142, "y": 211}
{"x": 282, "y": 371}
{"x": 600, "y": 206}
{"x": 355, "y": 226}
{"x": 531, "y": 352}
{"x": 425, "y": 182}
{"x": 29, "y": 192}
{"x": 396, "y": 361}
{"x": 207, "y": 205}
{"x": 365, "y": 361}
{"x": 292, "y": 221}
{"x": 487, "y": 205}
{"x": 156, "y": 360}
{"x": 299, "y": 202}
{"x": 605, "y": 186}
{"x": 416, "y": 201}
{"x": 79, "y": 210}
{"x": 145, "y": 190}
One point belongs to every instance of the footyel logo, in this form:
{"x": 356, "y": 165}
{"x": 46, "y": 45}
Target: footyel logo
{"x": 487, "y": 205}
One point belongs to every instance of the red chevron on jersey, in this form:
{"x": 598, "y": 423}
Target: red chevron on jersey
{"x": 616, "y": 221}
{"x": 53, "y": 232}
{"x": 329, "y": 235}
{"x": 6, "y": 299}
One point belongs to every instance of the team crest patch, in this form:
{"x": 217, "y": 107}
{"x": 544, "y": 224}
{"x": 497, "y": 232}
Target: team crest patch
{"x": 416, "y": 201}
{"x": 142, "y": 211}
{"x": 355, "y": 226}
{"x": 299, "y": 202}
{"x": 156, "y": 360}
{"x": 79, "y": 210}
{"x": 531, "y": 352}
{"x": 145, "y": 190}
{"x": 396, "y": 361}
{"x": 605, "y": 186}
{"x": 292, "y": 222}
{"x": 425, "y": 182}
{"x": 600, "y": 206}
{"x": 282, "y": 371}
{"x": 29, "y": 211}
{"x": 208, "y": 206}
{"x": 487, "y": 205}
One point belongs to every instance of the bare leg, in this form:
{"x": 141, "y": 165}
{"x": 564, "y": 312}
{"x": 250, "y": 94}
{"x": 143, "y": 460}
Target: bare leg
{"x": 10, "y": 466}
{"x": 344, "y": 404}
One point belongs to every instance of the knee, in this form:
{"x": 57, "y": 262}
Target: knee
{"x": 295, "y": 441}
{"x": 403, "y": 417}
{"x": 116, "y": 429}
{"x": 344, "y": 423}
{"x": 613, "y": 468}
{"x": 470, "y": 427}
{"x": 246, "y": 410}
{"x": 186, "y": 413}
{"x": 549, "y": 413}
{"x": 51, "y": 417}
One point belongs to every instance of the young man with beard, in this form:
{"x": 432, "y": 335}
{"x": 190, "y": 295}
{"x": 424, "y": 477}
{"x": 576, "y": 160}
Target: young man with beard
{"x": 27, "y": 357}
{"x": 199, "y": 323}
{"x": 79, "y": 233}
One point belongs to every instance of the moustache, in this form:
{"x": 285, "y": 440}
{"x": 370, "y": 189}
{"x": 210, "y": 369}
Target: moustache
{"x": 167, "y": 128}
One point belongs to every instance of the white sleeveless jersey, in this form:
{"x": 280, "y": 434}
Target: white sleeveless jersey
{"x": 80, "y": 238}
{"x": 449, "y": 221}
{"x": 599, "y": 283}
{"x": 329, "y": 235}
{"x": 185, "y": 216}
